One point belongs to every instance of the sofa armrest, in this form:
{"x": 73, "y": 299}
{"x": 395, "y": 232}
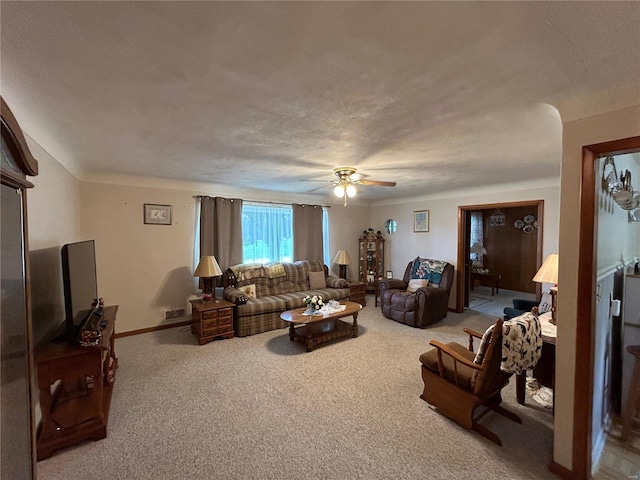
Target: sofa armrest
{"x": 335, "y": 282}
{"x": 235, "y": 296}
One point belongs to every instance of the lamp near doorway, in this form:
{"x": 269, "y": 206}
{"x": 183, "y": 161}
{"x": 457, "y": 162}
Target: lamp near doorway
{"x": 342, "y": 259}
{"x": 478, "y": 250}
{"x": 207, "y": 269}
{"x": 548, "y": 273}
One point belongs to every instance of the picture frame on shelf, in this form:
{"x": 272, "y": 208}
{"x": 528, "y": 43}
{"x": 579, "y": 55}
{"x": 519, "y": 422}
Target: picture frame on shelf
{"x": 421, "y": 221}
{"x": 389, "y": 274}
{"x": 155, "y": 214}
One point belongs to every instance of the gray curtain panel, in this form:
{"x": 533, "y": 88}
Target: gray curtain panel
{"x": 221, "y": 229}
{"x": 307, "y": 232}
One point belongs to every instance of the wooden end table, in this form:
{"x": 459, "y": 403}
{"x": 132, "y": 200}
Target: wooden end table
{"x": 313, "y": 330}
{"x": 358, "y": 293}
{"x": 213, "y": 320}
{"x": 487, "y": 279}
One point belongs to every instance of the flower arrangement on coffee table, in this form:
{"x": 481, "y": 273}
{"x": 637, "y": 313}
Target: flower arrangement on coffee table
{"x": 314, "y": 303}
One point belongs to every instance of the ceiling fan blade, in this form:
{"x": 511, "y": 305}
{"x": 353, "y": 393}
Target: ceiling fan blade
{"x": 318, "y": 188}
{"x": 377, "y": 183}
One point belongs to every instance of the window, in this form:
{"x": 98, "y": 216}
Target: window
{"x": 267, "y": 233}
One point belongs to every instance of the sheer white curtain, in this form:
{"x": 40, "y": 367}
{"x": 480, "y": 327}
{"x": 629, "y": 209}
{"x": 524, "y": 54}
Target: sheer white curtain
{"x": 477, "y": 231}
{"x": 267, "y": 233}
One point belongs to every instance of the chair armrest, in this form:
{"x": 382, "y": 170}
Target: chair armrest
{"x": 235, "y": 296}
{"x": 394, "y": 284}
{"x": 335, "y": 282}
{"x": 442, "y": 348}
{"x": 472, "y": 334}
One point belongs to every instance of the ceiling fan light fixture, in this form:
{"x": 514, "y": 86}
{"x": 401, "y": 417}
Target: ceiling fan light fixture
{"x": 351, "y": 191}
{"x": 339, "y": 191}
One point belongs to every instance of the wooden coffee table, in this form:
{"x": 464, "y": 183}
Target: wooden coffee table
{"x": 313, "y": 330}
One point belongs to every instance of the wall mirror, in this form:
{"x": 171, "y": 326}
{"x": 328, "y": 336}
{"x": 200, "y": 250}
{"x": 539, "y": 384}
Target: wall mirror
{"x": 390, "y": 226}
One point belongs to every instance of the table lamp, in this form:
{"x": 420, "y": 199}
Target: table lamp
{"x": 548, "y": 273}
{"x": 478, "y": 249}
{"x": 342, "y": 259}
{"x": 207, "y": 269}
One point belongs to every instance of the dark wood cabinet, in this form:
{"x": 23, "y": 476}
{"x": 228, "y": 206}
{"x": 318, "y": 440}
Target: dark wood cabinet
{"x": 17, "y": 426}
{"x": 371, "y": 261}
{"x": 75, "y": 385}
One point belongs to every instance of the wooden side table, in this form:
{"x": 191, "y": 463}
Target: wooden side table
{"x": 488, "y": 280}
{"x": 358, "y": 293}
{"x": 212, "y": 320}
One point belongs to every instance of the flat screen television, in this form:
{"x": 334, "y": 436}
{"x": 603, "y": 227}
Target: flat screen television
{"x": 80, "y": 285}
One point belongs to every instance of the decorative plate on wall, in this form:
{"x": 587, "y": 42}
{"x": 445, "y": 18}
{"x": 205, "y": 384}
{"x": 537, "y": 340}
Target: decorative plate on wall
{"x": 529, "y": 218}
{"x": 518, "y": 224}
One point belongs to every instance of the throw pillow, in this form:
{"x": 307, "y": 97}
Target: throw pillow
{"x": 249, "y": 290}
{"x": 545, "y": 303}
{"x": 416, "y": 283}
{"x": 317, "y": 280}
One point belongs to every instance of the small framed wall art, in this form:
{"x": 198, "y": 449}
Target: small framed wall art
{"x": 155, "y": 214}
{"x": 389, "y": 274}
{"x": 421, "y": 221}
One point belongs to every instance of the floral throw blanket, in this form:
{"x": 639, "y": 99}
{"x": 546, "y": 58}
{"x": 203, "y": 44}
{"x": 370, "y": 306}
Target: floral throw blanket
{"x": 521, "y": 343}
{"x": 427, "y": 269}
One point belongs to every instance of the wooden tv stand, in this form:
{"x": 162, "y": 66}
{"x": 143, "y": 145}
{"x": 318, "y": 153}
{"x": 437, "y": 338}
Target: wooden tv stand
{"x": 76, "y": 408}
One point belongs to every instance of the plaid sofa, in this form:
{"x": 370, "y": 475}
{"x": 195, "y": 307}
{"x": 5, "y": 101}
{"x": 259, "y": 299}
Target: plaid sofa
{"x": 277, "y": 287}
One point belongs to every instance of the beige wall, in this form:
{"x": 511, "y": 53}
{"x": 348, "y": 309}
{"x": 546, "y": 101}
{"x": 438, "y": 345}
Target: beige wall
{"x": 601, "y": 128}
{"x": 145, "y": 269}
{"x": 441, "y": 242}
{"x": 346, "y": 225}
{"x": 53, "y": 209}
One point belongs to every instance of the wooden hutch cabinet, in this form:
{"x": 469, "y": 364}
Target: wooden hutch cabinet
{"x": 17, "y": 422}
{"x": 371, "y": 260}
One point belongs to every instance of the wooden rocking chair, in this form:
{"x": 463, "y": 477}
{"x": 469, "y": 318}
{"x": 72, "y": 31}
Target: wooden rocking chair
{"x": 456, "y": 385}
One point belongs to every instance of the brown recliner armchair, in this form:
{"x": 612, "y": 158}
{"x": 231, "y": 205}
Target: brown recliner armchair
{"x": 424, "y": 306}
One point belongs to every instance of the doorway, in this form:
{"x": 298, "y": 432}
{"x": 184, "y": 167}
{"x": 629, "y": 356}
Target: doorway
{"x": 509, "y": 229}
{"x": 586, "y": 308}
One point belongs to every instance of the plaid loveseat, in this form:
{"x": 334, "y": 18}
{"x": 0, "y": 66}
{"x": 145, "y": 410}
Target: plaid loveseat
{"x": 261, "y": 292}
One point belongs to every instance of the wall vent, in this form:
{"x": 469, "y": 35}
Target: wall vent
{"x": 175, "y": 313}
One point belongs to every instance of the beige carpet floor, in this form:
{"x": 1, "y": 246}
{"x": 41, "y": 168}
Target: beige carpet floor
{"x": 261, "y": 407}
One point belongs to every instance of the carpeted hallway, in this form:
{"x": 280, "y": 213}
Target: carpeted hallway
{"x": 261, "y": 407}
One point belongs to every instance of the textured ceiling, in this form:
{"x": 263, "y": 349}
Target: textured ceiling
{"x": 432, "y": 95}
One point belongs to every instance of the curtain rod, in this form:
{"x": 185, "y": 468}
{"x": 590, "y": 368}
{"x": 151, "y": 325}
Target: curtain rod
{"x": 260, "y": 201}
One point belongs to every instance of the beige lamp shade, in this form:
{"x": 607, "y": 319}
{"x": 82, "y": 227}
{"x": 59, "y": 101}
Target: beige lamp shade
{"x": 548, "y": 272}
{"x": 342, "y": 258}
{"x": 208, "y": 267}
{"x": 478, "y": 249}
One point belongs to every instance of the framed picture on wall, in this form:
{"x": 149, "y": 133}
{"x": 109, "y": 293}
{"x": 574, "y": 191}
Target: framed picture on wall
{"x": 421, "y": 221}
{"x": 155, "y": 214}
{"x": 389, "y": 274}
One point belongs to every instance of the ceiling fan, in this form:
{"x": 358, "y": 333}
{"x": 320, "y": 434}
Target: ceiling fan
{"x": 348, "y": 179}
